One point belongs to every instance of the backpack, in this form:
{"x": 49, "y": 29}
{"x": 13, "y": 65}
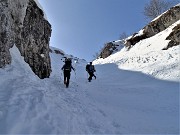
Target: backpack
{"x": 87, "y": 67}
{"x": 90, "y": 68}
{"x": 68, "y": 64}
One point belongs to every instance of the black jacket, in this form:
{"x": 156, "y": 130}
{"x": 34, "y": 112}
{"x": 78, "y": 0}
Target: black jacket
{"x": 67, "y": 67}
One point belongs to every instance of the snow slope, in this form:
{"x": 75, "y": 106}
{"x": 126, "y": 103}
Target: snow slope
{"x": 117, "y": 102}
{"x": 148, "y": 57}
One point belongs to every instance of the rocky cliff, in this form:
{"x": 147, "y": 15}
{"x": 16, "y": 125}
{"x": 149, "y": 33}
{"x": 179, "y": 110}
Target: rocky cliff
{"x": 110, "y": 48}
{"x": 174, "y": 37}
{"x": 23, "y": 24}
{"x": 157, "y": 25}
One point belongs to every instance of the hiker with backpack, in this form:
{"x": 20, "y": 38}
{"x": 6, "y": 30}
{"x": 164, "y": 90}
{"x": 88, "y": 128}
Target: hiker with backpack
{"x": 90, "y": 69}
{"x": 67, "y": 71}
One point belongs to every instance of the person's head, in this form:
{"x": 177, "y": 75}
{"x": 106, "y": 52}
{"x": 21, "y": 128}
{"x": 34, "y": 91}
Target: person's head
{"x": 90, "y": 63}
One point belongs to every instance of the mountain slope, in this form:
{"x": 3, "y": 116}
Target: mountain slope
{"x": 136, "y": 92}
{"x": 149, "y": 57}
{"x": 118, "y": 101}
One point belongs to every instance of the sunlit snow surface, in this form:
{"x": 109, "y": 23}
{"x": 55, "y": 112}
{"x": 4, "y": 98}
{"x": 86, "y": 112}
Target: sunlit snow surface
{"x": 136, "y": 92}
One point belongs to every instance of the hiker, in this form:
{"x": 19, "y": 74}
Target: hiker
{"x": 90, "y": 69}
{"x": 67, "y": 71}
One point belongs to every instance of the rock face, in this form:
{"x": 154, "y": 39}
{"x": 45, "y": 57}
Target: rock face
{"x": 156, "y": 26}
{"x": 174, "y": 37}
{"x": 5, "y": 35}
{"x": 35, "y": 37}
{"x": 59, "y": 52}
{"x": 107, "y": 50}
{"x": 23, "y": 24}
{"x": 111, "y": 48}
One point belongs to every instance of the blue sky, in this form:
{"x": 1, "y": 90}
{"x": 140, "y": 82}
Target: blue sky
{"x": 82, "y": 27}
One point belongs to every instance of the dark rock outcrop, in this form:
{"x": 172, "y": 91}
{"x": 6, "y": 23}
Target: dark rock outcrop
{"x": 23, "y": 24}
{"x": 35, "y": 37}
{"x": 59, "y": 52}
{"x": 134, "y": 39}
{"x": 108, "y": 50}
{"x": 156, "y": 26}
{"x": 174, "y": 37}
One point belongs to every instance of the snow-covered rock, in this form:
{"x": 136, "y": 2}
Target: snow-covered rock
{"x": 111, "y": 48}
{"x": 23, "y": 24}
{"x": 174, "y": 37}
{"x": 159, "y": 24}
{"x": 150, "y": 56}
{"x": 149, "y": 50}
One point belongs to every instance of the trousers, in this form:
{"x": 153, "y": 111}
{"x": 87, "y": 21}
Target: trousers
{"x": 91, "y": 74}
{"x": 67, "y": 75}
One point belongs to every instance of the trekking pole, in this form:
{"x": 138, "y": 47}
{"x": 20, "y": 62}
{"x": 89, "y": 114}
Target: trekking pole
{"x": 75, "y": 78}
{"x": 61, "y": 75}
{"x": 95, "y": 75}
{"x": 87, "y": 76}
{"x": 75, "y": 74}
